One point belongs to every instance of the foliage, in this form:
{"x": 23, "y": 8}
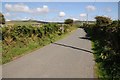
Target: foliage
{"x": 102, "y": 21}
{"x": 106, "y": 47}
{"x": 2, "y": 19}
{"x": 19, "y": 39}
{"x": 68, "y": 21}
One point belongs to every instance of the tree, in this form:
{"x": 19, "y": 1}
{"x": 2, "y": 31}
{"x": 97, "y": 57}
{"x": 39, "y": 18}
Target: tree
{"x": 103, "y": 21}
{"x": 2, "y": 19}
{"x": 68, "y": 21}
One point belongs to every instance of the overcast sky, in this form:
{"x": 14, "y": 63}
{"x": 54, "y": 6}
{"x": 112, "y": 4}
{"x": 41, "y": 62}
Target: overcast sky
{"x": 58, "y": 11}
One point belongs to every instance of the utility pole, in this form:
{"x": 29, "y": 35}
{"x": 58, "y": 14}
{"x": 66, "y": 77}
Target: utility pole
{"x": 87, "y": 17}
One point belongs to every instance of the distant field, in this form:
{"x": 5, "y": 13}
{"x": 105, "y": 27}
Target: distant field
{"x": 35, "y": 21}
{"x": 21, "y": 22}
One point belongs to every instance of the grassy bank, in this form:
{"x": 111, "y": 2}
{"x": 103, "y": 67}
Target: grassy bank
{"x": 106, "y": 49}
{"x": 30, "y": 38}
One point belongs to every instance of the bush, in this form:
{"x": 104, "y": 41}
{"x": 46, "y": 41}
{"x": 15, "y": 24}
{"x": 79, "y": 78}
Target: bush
{"x": 26, "y": 37}
{"x": 106, "y": 47}
{"x": 68, "y": 21}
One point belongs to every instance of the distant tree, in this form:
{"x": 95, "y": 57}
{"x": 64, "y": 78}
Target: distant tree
{"x": 2, "y": 19}
{"x": 118, "y": 23}
{"x": 103, "y": 21}
{"x": 68, "y": 21}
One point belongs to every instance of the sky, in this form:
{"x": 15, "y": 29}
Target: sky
{"x": 58, "y": 11}
{"x": 59, "y": 0}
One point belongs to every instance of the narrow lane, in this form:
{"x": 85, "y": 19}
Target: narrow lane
{"x": 70, "y": 57}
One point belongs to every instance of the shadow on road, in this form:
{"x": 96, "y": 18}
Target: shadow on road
{"x": 73, "y": 47}
{"x": 87, "y": 38}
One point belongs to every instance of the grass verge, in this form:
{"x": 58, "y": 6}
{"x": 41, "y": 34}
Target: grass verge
{"x": 17, "y": 51}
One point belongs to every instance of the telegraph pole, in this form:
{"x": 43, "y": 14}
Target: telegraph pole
{"x": 87, "y": 17}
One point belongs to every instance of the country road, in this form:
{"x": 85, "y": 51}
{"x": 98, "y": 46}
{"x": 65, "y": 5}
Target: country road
{"x": 70, "y": 57}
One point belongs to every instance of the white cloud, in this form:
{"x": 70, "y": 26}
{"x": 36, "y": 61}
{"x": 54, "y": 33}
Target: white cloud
{"x": 45, "y": 6}
{"x": 25, "y": 18}
{"x": 7, "y": 14}
{"x": 24, "y": 8}
{"x": 108, "y": 9}
{"x": 7, "y": 20}
{"x": 8, "y": 6}
{"x": 83, "y": 15}
{"x": 62, "y": 14}
{"x": 75, "y": 19}
{"x": 17, "y": 7}
{"x": 44, "y": 9}
{"x": 107, "y": 16}
{"x": 91, "y": 8}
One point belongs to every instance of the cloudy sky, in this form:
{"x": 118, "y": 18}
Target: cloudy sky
{"x": 58, "y": 11}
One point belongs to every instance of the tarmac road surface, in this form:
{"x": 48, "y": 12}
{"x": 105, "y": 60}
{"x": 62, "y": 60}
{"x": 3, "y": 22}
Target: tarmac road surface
{"x": 70, "y": 57}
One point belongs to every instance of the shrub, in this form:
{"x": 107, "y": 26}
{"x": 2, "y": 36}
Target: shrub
{"x": 106, "y": 40}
